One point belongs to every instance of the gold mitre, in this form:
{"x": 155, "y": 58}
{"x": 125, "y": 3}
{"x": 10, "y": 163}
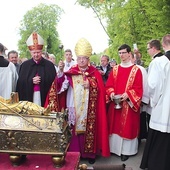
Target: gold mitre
{"x": 83, "y": 48}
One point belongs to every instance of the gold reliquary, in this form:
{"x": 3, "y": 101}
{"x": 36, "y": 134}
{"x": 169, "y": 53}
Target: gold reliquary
{"x": 22, "y": 134}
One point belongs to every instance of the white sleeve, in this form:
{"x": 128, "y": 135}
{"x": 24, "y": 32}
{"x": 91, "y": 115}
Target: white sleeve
{"x": 156, "y": 76}
{"x": 145, "y": 97}
{"x": 14, "y": 76}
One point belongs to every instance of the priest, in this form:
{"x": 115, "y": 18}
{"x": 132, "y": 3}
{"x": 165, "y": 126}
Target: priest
{"x": 36, "y": 74}
{"x": 87, "y": 108}
{"x": 125, "y": 80}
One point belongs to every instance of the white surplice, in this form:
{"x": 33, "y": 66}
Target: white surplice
{"x": 8, "y": 80}
{"x": 68, "y": 65}
{"x": 145, "y": 97}
{"x": 159, "y": 91}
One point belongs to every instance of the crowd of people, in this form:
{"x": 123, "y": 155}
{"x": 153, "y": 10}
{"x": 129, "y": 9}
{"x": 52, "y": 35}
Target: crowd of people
{"x": 90, "y": 94}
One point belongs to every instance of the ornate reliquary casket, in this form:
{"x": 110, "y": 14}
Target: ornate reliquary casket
{"x": 34, "y": 134}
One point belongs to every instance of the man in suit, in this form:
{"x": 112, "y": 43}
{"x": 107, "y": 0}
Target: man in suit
{"x": 13, "y": 57}
{"x": 104, "y": 67}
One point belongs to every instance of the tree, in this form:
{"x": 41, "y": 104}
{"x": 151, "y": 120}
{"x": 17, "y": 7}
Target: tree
{"x": 95, "y": 58}
{"x": 132, "y": 21}
{"x": 42, "y": 19}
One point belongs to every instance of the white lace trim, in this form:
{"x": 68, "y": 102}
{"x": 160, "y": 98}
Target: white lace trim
{"x": 71, "y": 116}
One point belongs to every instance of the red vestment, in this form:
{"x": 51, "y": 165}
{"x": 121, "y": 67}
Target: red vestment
{"x": 56, "y": 101}
{"x": 96, "y": 134}
{"x": 125, "y": 121}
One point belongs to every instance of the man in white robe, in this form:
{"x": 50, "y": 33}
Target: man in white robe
{"x": 8, "y": 76}
{"x": 69, "y": 61}
{"x": 157, "y": 149}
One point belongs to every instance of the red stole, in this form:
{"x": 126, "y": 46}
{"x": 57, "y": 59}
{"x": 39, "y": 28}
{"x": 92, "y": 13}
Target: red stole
{"x": 90, "y": 139}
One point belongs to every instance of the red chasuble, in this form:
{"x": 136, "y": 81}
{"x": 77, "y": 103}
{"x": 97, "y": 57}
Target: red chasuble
{"x": 57, "y": 102}
{"x": 96, "y": 134}
{"x": 125, "y": 121}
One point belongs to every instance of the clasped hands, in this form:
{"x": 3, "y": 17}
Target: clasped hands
{"x": 36, "y": 80}
{"x": 124, "y": 96}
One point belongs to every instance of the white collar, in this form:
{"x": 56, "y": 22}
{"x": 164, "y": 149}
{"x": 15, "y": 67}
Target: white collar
{"x": 128, "y": 64}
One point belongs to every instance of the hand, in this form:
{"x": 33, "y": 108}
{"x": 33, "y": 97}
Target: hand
{"x": 137, "y": 53}
{"x": 36, "y": 80}
{"x": 61, "y": 65}
{"x": 112, "y": 96}
{"x": 101, "y": 72}
{"x": 124, "y": 97}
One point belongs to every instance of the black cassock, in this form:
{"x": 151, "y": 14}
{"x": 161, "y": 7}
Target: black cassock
{"x": 29, "y": 69}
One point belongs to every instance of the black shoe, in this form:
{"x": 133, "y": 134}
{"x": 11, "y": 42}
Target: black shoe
{"x": 91, "y": 160}
{"x": 139, "y": 141}
{"x": 23, "y": 157}
{"x": 124, "y": 157}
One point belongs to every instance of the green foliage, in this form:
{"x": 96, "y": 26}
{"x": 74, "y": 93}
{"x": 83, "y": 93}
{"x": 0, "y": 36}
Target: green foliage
{"x": 132, "y": 21}
{"x": 42, "y": 19}
{"x": 95, "y": 58}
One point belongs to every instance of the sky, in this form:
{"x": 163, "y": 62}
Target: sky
{"x": 77, "y": 22}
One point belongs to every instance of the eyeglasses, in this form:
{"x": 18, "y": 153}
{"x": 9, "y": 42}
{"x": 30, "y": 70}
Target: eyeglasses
{"x": 122, "y": 53}
{"x": 82, "y": 58}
